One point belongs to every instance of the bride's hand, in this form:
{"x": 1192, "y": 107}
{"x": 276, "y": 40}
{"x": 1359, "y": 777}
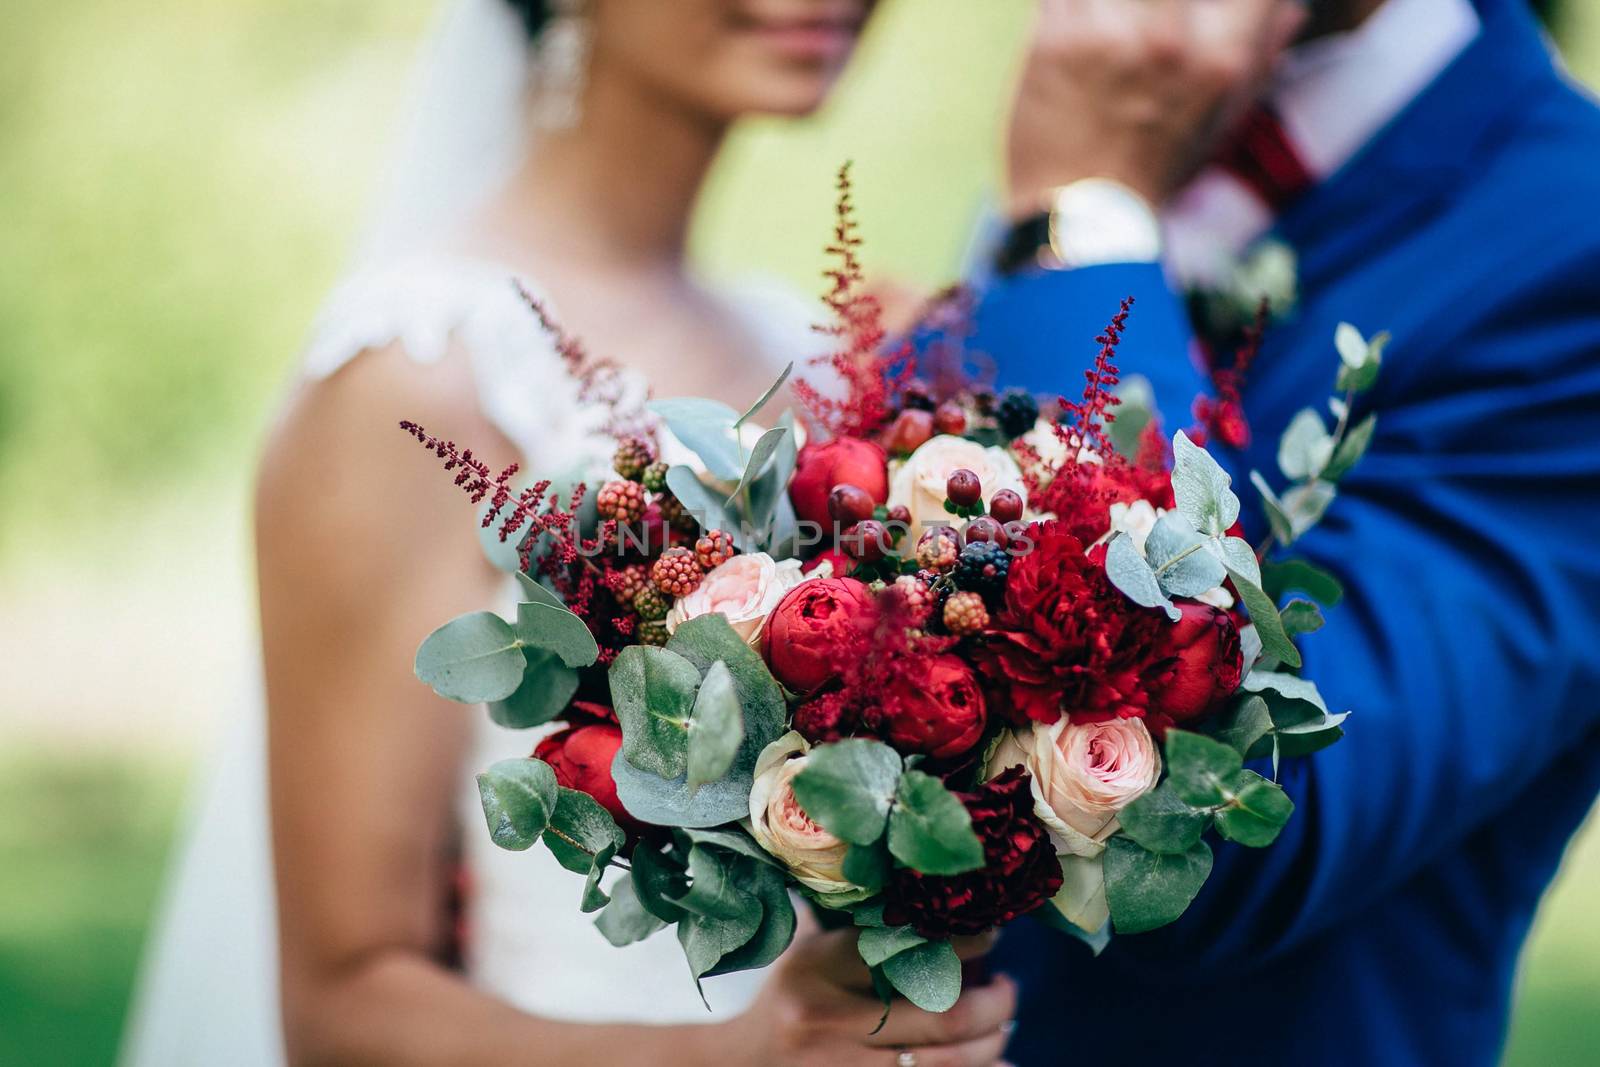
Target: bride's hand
{"x": 818, "y": 1008}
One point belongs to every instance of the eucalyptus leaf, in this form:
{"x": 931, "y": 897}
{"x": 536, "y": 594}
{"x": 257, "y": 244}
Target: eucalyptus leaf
{"x": 1198, "y": 768}
{"x": 1305, "y": 505}
{"x": 1277, "y": 517}
{"x": 848, "y": 787}
{"x": 472, "y": 659}
{"x": 1137, "y": 408}
{"x": 1096, "y": 941}
{"x": 668, "y": 802}
{"x": 880, "y": 943}
{"x": 582, "y": 835}
{"x": 1257, "y": 813}
{"x": 1283, "y": 576}
{"x": 625, "y": 920}
{"x": 653, "y": 692}
{"x": 1161, "y": 822}
{"x": 1264, "y": 614}
{"x": 928, "y": 975}
{"x": 716, "y": 728}
{"x": 1291, "y": 698}
{"x": 536, "y": 592}
{"x": 715, "y": 888}
{"x": 658, "y": 879}
{"x": 1145, "y": 889}
{"x": 1201, "y": 488}
{"x": 547, "y": 688}
{"x": 766, "y": 397}
{"x": 1179, "y": 558}
{"x": 930, "y": 830}
{"x": 734, "y": 840}
{"x": 706, "y": 940}
{"x": 1243, "y": 724}
{"x": 1359, "y": 358}
{"x": 1352, "y": 448}
{"x": 698, "y": 498}
{"x": 777, "y": 927}
{"x": 770, "y": 510}
{"x": 867, "y": 866}
{"x": 760, "y": 456}
{"x": 556, "y": 630}
{"x": 1303, "y": 742}
{"x": 706, "y": 428}
{"x": 1301, "y": 617}
{"x": 594, "y": 895}
{"x": 519, "y": 796}
{"x": 1305, "y": 447}
{"x": 1130, "y": 573}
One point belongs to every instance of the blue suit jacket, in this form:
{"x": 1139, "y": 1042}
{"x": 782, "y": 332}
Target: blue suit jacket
{"x": 1384, "y": 925}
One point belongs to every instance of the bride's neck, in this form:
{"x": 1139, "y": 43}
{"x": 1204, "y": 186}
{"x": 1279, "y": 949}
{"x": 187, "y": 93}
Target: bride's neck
{"x": 618, "y": 188}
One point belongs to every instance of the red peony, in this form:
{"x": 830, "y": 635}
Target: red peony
{"x": 581, "y": 756}
{"x": 814, "y": 621}
{"x": 1197, "y": 663}
{"x": 1065, "y": 640}
{"x": 936, "y": 709}
{"x": 1020, "y": 871}
{"x": 820, "y": 467}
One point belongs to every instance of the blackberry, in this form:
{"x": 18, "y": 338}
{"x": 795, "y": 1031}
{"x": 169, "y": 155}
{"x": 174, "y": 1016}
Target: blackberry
{"x": 1017, "y": 413}
{"x": 982, "y": 569}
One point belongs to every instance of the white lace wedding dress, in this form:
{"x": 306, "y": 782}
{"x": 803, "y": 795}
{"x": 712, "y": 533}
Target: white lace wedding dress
{"x": 208, "y": 995}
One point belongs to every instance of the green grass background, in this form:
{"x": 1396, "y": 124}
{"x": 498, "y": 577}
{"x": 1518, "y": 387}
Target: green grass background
{"x": 179, "y": 182}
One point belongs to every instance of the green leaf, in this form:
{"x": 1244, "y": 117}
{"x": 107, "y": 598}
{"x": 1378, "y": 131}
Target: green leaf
{"x": 556, "y": 630}
{"x": 1305, "y": 505}
{"x": 715, "y": 887}
{"x": 770, "y": 510}
{"x": 1134, "y": 413}
{"x": 1198, "y": 767}
{"x": 870, "y": 914}
{"x": 734, "y": 841}
{"x": 1297, "y": 574}
{"x": 1359, "y": 359}
{"x": 706, "y": 428}
{"x": 700, "y": 500}
{"x": 716, "y": 727}
{"x": 653, "y": 691}
{"x": 1303, "y": 741}
{"x": 1293, "y": 700}
{"x": 1258, "y": 811}
{"x": 658, "y": 879}
{"x": 1049, "y": 916}
{"x": 1352, "y": 448}
{"x": 535, "y": 592}
{"x": 1264, "y": 613}
{"x": 1305, "y": 447}
{"x": 625, "y": 920}
{"x": 774, "y": 934}
{"x": 1277, "y": 517}
{"x": 707, "y": 939}
{"x": 879, "y": 943}
{"x": 766, "y": 397}
{"x": 547, "y": 688}
{"x": 1130, "y": 573}
{"x": 1201, "y": 488}
{"x": 594, "y": 896}
{"x": 1180, "y": 558}
{"x": 473, "y": 658}
{"x": 1147, "y": 889}
{"x": 581, "y": 831}
{"x": 848, "y": 788}
{"x": 1161, "y": 822}
{"x": 928, "y": 975}
{"x": 867, "y": 866}
{"x": 667, "y": 802}
{"x": 1301, "y": 617}
{"x": 1242, "y": 725}
{"x": 518, "y": 797}
{"x": 930, "y": 829}
{"x": 766, "y": 446}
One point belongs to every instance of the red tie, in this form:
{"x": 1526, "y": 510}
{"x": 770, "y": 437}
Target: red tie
{"x": 1260, "y": 154}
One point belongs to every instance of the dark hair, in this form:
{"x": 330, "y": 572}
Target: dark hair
{"x": 534, "y": 14}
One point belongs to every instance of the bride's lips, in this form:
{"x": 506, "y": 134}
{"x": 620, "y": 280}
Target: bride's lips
{"x": 814, "y": 38}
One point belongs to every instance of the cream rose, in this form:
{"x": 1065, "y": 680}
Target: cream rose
{"x": 743, "y": 589}
{"x": 918, "y": 483}
{"x": 813, "y": 855}
{"x": 1082, "y": 774}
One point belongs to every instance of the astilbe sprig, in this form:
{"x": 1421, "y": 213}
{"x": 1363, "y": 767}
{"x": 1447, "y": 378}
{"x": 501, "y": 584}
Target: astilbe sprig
{"x": 1222, "y": 417}
{"x": 871, "y": 375}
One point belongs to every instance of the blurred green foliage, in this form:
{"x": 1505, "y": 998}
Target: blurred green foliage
{"x": 179, "y": 182}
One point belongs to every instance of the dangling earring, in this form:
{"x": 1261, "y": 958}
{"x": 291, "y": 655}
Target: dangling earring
{"x": 560, "y": 64}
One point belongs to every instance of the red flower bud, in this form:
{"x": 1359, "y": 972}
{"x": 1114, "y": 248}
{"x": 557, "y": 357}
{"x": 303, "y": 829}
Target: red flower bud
{"x": 581, "y": 756}
{"x": 949, "y": 418}
{"x": 937, "y": 710}
{"x": 807, "y": 632}
{"x": 1196, "y": 663}
{"x": 820, "y": 467}
{"x": 909, "y": 431}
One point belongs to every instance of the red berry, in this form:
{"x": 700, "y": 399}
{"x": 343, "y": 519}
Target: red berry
{"x": 965, "y": 613}
{"x": 713, "y": 549}
{"x": 949, "y": 418}
{"x": 623, "y": 501}
{"x": 938, "y": 548}
{"x": 1006, "y": 506}
{"x": 677, "y": 573}
{"x": 901, "y": 514}
{"x": 983, "y": 528}
{"x": 963, "y": 488}
{"x": 866, "y": 541}
{"x": 850, "y": 504}
{"x": 910, "y": 429}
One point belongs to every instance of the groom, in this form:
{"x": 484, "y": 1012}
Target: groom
{"x": 1437, "y": 177}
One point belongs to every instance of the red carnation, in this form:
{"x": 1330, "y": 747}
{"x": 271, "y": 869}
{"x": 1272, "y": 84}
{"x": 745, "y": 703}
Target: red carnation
{"x": 1065, "y": 640}
{"x": 846, "y": 460}
{"x": 1020, "y": 870}
{"x": 1198, "y": 663}
{"x": 935, "y": 708}
{"x": 581, "y": 756}
{"x": 811, "y": 624}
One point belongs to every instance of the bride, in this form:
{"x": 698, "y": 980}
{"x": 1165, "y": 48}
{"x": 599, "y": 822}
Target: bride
{"x": 403, "y": 935}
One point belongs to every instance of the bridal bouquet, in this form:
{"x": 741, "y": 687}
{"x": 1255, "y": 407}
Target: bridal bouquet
{"x": 947, "y": 660}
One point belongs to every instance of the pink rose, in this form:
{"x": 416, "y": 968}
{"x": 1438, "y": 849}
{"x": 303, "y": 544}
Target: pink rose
{"x": 743, "y": 589}
{"x": 1083, "y": 774}
{"x": 778, "y": 823}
